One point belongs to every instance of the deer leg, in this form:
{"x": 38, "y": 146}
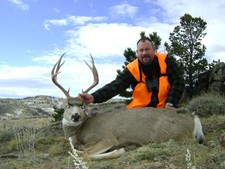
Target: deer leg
{"x": 98, "y": 150}
{"x": 102, "y": 146}
{"x": 110, "y": 155}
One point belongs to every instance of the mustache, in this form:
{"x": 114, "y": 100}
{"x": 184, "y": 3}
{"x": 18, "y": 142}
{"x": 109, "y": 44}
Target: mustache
{"x": 145, "y": 55}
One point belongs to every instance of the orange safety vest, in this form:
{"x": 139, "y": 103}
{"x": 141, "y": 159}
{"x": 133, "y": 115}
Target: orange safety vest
{"x": 141, "y": 95}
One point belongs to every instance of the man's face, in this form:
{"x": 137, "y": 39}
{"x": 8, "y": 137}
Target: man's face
{"x": 145, "y": 52}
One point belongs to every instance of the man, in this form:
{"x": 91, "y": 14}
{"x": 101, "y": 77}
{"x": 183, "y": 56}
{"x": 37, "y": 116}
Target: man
{"x": 155, "y": 78}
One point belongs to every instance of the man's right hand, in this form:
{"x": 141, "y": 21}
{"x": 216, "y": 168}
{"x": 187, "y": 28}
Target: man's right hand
{"x": 87, "y": 98}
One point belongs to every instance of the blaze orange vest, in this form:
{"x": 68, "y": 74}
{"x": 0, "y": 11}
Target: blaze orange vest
{"x": 141, "y": 95}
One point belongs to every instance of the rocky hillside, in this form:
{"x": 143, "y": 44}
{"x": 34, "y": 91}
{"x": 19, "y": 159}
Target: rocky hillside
{"x": 26, "y": 107}
{"x": 40, "y": 106}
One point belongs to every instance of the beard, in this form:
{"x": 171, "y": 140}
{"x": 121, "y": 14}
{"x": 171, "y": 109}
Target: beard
{"x": 146, "y": 59}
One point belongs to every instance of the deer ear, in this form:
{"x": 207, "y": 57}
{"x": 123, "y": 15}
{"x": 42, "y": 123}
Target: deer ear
{"x": 93, "y": 110}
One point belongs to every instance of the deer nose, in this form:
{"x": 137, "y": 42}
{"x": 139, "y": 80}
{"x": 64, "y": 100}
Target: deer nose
{"x": 201, "y": 140}
{"x": 75, "y": 117}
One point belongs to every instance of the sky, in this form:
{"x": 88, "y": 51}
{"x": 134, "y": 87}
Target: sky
{"x": 35, "y": 33}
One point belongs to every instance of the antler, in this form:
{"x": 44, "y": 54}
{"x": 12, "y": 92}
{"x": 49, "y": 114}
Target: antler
{"x": 95, "y": 75}
{"x": 55, "y": 72}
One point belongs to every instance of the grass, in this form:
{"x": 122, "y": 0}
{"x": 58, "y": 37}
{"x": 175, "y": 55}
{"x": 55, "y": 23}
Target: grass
{"x": 48, "y": 149}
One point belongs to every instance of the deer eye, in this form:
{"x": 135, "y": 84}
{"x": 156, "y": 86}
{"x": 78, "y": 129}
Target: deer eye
{"x": 68, "y": 106}
{"x": 82, "y": 106}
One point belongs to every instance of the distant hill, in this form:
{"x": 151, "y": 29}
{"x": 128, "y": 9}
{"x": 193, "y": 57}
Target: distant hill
{"x": 26, "y": 107}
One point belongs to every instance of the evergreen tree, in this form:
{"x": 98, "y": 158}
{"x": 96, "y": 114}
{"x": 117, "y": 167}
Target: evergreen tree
{"x": 156, "y": 40}
{"x": 130, "y": 55}
{"x": 58, "y": 115}
{"x": 213, "y": 64}
{"x": 186, "y": 46}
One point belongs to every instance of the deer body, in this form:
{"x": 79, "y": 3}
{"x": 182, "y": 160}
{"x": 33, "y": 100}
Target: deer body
{"x": 104, "y": 136}
{"x": 116, "y": 129}
{"x": 137, "y": 126}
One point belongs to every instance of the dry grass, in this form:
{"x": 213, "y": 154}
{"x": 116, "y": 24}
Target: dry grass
{"x": 50, "y": 149}
{"x": 34, "y": 122}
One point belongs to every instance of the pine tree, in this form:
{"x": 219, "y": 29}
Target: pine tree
{"x": 186, "y": 46}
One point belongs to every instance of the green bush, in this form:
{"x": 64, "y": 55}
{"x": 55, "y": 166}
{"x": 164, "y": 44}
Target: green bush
{"x": 207, "y": 104}
{"x": 6, "y": 135}
{"x": 58, "y": 115}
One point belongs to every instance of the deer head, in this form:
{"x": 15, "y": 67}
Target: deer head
{"x": 75, "y": 110}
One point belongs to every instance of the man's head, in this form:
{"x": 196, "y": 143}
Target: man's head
{"x": 145, "y": 50}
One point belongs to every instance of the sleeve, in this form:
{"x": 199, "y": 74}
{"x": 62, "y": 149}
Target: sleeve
{"x": 121, "y": 83}
{"x": 176, "y": 81}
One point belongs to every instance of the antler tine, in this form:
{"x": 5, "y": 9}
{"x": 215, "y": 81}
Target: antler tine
{"x": 55, "y": 72}
{"x": 95, "y": 75}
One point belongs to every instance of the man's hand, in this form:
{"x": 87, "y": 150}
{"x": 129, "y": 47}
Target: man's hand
{"x": 169, "y": 105}
{"x": 87, "y": 98}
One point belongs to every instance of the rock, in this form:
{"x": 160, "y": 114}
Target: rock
{"x": 212, "y": 80}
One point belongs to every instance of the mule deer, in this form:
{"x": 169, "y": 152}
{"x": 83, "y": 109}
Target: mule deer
{"x": 105, "y": 135}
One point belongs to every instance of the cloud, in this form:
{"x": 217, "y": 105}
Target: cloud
{"x": 20, "y": 4}
{"x": 172, "y": 10}
{"x": 56, "y": 10}
{"x": 26, "y": 81}
{"x": 23, "y": 80}
{"x": 72, "y": 20}
{"x": 56, "y": 22}
{"x": 124, "y": 10}
{"x": 82, "y": 20}
{"x": 38, "y": 73}
{"x": 102, "y": 40}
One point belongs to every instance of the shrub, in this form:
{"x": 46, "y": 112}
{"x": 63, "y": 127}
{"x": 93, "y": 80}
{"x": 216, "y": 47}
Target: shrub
{"x": 58, "y": 115}
{"x": 207, "y": 104}
{"x": 6, "y": 135}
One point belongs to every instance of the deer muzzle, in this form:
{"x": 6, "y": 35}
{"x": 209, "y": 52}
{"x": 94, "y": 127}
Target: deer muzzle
{"x": 75, "y": 117}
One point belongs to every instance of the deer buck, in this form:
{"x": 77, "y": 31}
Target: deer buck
{"x": 104, "y": 136}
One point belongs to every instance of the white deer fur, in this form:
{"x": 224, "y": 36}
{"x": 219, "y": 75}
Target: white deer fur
{"x": 105, "y": 135}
